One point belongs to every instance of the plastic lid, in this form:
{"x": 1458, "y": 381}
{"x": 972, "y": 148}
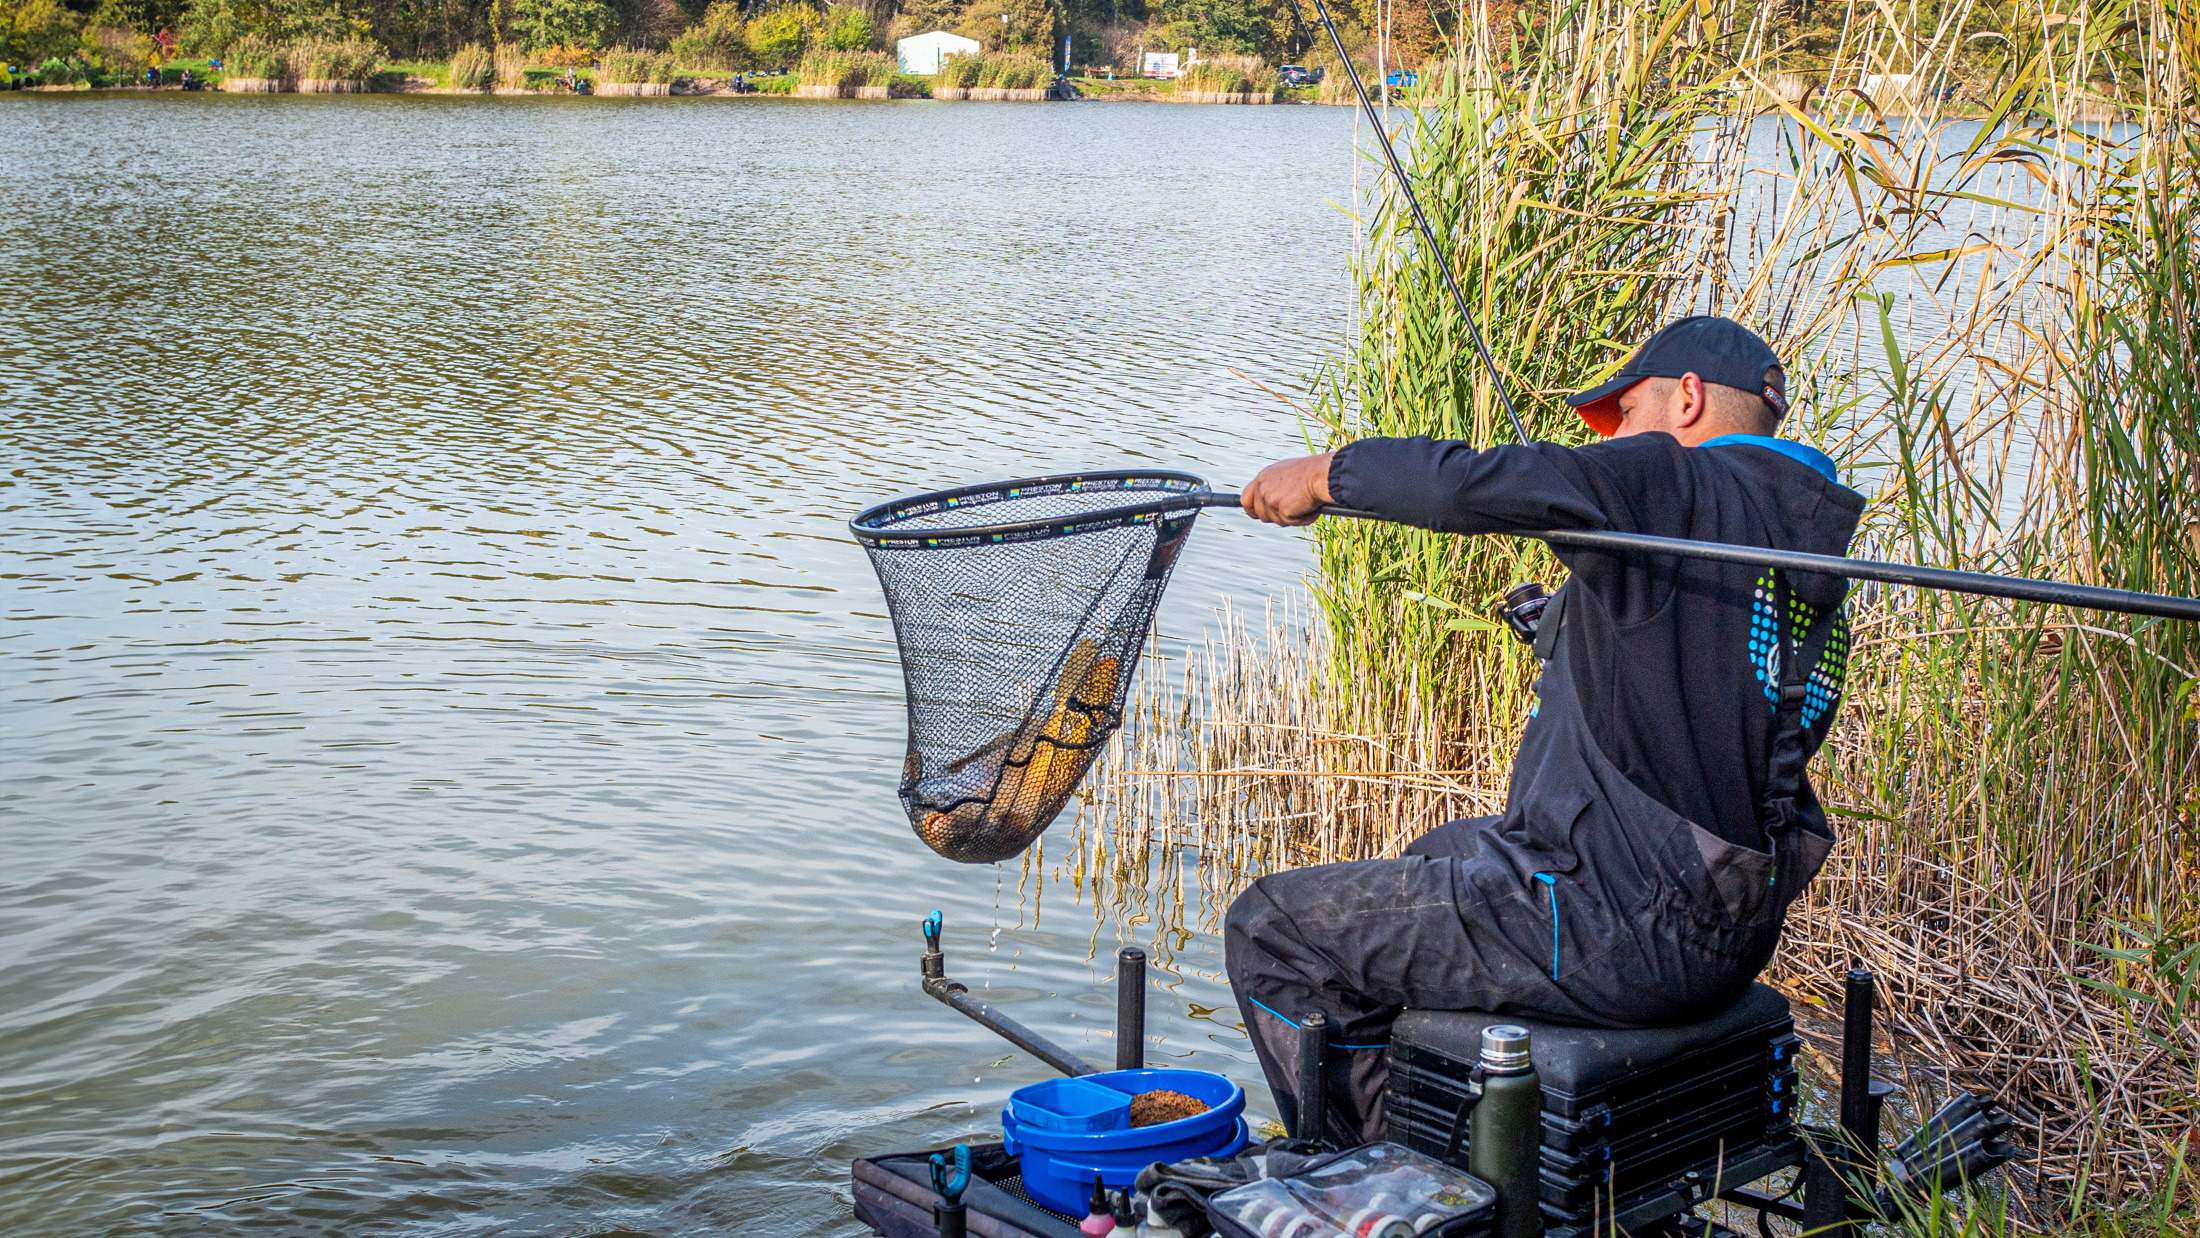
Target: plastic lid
{"x": 1505, "y": 1047}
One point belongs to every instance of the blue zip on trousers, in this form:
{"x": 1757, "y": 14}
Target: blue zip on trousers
{"x": 1552, "y": 883}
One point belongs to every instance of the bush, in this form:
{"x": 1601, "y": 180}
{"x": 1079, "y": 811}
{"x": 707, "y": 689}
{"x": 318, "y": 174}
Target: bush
{"x": 35, "y": 31}
{"x": 336, "y": 60}
{"x": 778, "y": 37}
{"x": 562, "y": 56}
{"x": 846, "y": 69}
{"x": 473, "y": 68}
{"x": 555, "y": 23}
{"x": 848, "y": 28}
{"x": 59, "y": 72}
{"x": 621, "y": 65}
{"x": 256, "y": 56}
{"x": 716, "y": 42}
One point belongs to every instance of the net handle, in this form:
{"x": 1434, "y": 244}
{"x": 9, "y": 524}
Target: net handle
{"x": 1984, "y": 584}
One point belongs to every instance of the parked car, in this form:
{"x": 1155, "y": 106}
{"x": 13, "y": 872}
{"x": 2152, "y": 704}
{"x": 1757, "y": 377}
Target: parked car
{"x": 1300, "y": 75}
{"x": 1402, "y": 77}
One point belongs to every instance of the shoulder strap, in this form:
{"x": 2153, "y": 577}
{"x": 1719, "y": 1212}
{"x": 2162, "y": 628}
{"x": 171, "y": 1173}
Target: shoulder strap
{"x": 1546, "y": 627}
{"x": 1784, "y": 778}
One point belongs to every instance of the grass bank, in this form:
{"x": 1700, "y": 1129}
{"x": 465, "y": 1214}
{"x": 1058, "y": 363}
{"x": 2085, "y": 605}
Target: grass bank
{"x": 1993, "y": 325}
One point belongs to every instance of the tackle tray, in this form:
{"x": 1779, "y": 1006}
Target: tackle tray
{"x": 1635, "y": 1123}
{"x": 893, "y": 1195}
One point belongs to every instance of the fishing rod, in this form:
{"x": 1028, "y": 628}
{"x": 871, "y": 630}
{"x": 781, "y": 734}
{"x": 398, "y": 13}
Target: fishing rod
{"x": 2020, "y": 588}
{"x": 1413, "y": 202}
{"x": 2126, "y": 601}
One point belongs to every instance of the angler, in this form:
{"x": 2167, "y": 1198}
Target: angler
{"x": 1659, "y": 821}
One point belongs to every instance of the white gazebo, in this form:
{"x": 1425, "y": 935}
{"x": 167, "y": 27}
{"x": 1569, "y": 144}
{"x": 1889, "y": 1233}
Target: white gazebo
{"x": 921, "y": 53}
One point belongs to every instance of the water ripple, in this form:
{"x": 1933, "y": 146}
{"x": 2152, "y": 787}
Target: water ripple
{"x": 449, "y": 735}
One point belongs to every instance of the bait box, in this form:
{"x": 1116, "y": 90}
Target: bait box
{"x": 1636, "y": 1124}
{"x": 1072, "y": 1105}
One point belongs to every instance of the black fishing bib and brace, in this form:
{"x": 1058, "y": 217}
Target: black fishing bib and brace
{"x": 1586, "y": 902}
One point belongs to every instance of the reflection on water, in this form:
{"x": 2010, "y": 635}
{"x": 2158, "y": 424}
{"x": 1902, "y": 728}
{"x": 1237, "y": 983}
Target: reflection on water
{"x": 450, "y": 738}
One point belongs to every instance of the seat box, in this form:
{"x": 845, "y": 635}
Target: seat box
{"x": 1628, "y": 1116}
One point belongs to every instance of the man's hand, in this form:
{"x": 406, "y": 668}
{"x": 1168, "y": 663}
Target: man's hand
{"x": 1290, "y": 492}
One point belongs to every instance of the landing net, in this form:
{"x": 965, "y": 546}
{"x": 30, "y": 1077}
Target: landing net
{"x": 1021, "y": 609}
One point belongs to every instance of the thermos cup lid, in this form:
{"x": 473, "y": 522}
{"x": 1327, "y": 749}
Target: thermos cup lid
{"x": 1505, "y": 1047}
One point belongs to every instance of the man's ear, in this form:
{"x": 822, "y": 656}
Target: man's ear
{"x": 1693, "y": 403}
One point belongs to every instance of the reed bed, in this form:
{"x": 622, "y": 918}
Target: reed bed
{"x": 626, "y": 66}
{"x": 994, "y": 71}
{"x": 1992, "y": 323}
{"x": 1228, "y": 75}
{"x": 838, "y": 68}
{"x": 511, "y": 67}
{"x": 473, "y": 68}
{"x": 256, "y": 57}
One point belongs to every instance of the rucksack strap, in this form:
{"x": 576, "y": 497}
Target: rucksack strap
{"x": 1546, "y": 627}
{"x": 1784, "y": 777}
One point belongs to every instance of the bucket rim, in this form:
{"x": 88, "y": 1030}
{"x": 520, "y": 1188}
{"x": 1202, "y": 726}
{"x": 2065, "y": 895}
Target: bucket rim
{"x": 1231, "y": 1108}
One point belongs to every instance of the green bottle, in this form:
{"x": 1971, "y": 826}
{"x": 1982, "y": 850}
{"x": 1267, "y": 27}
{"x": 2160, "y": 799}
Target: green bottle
{"x": 1505, "y": 1140}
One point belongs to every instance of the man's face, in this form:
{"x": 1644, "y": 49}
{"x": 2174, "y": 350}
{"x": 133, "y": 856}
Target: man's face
{"x": 1652, "y": 404}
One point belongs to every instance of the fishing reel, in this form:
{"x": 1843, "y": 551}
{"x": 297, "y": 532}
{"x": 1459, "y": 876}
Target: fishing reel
{"x": 1524, "y": 606}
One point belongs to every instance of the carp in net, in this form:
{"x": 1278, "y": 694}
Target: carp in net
{"x": 1021, "y": 609}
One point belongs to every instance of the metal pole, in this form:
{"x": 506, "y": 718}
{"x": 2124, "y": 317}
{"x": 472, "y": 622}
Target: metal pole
{"x": 1861, "y": 1098}
{"x": 1856, "y": 1058}
{"x": 1313, "y": 1115}
{"x": 956, "y": 996}
{"x": 1130, "y": 1008}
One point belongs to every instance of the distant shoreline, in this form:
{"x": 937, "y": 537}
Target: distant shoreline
{"x": 429, "y": 78}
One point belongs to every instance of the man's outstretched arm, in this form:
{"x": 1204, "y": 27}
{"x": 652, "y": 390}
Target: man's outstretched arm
{"x": 1435, "y": 484}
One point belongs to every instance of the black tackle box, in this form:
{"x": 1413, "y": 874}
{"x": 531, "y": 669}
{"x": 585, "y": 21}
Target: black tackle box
{"x": 1637, "y": 1125}
{"x": 893, "y": 1195}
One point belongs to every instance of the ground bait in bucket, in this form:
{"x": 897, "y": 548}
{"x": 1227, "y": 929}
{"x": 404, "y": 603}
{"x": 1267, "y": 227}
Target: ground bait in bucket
{"x": 1154, "y": 1108}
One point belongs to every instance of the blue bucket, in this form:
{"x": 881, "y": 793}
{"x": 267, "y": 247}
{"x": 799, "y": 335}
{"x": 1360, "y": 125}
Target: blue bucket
{"x": 1059, "y": 1166}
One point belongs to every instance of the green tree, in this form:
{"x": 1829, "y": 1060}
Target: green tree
{"x": 777, "y": 36}
{"x": 719, "y": 41}
{"x": 1032, "y": 25}
{"x": 210, "y": 26}
{"x": 932, "y": 14}
{"x": 551, "y": 23}
{"x": 848, "y": 28}
{"x": 34, "y": 31}
{"x": 1217, "y": 26}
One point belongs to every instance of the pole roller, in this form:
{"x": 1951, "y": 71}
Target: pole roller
{"x": 1130, "y": 1008}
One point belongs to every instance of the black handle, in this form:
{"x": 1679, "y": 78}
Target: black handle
{"x": 1475, "y": 1074}
{"x": 1984, "y": 584}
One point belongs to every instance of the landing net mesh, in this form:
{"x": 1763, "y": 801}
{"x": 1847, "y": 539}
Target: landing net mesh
{"x": 1021, "y": 610}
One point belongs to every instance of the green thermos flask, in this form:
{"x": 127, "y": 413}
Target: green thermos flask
{"x": 1505, "y": 1142}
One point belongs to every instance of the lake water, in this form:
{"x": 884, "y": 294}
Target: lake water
{"x": 449, "y": 748}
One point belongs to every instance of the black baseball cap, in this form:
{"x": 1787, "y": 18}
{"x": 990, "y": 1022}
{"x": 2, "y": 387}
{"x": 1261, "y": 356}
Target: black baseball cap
{"x": 1717, "y": 350}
